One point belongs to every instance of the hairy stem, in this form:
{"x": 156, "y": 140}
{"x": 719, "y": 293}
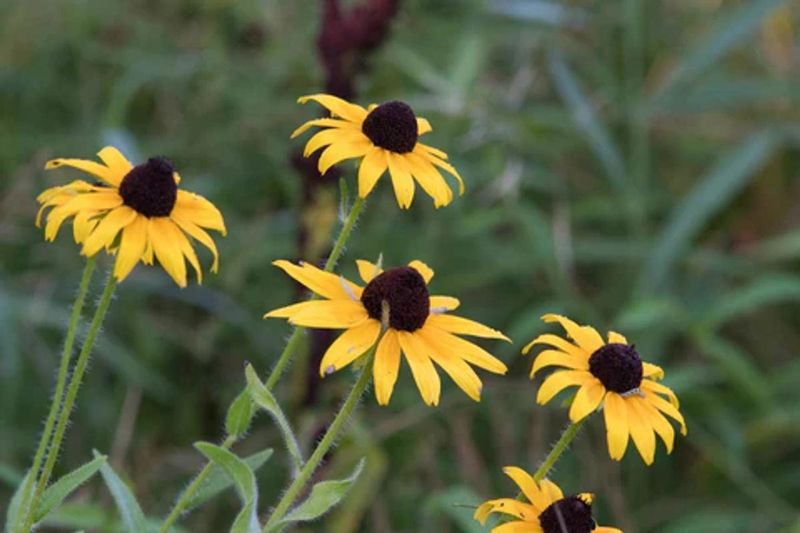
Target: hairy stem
{"x": 560, "y": 447}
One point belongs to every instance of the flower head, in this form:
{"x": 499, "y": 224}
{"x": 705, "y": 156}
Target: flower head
{"x": 136, "y": 212}
{"x": 610, "y": 375}
{"x": 395, "y": 303}
{"x": 384, "y": 136}
{"x": 547, "y": 510}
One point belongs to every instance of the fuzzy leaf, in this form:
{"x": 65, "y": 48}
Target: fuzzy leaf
{"x": 13, "y": 516}
{"x": 129, "y": 509}
{"x": 240, "y": 413}
{"x": 61, "y": 489}
{"x": 218, "y": 480}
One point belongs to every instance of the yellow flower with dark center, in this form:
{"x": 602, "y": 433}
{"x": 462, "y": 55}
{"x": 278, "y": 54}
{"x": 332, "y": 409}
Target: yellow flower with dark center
{"x": 396, "y": 302}
{"x": 136, "y": 212}
{"x": 610, "y": 375}
{"x": 547, "y": 510}
{"x": 384, "y": 136}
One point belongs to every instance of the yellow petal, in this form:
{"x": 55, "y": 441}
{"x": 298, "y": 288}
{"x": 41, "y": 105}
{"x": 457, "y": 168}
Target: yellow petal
{"x": 557, "y": 342}
{"x": 556, "y": 358}
{"x": 440, "y": 304}
{"x": 586, "y": 336}
{"x": 83, "y": 224}
{"x": 325, "y": 284}
{"x": 423, "y": 126}
{"x": 528, "y": 487}
{"x": 586, "y": 400}
{"x": 668, "y": 409}
{"x": 525, "y": 526}
{"x": 372, "y": 167}
{"x": 422, "y": 367}
{"x": 131, "y": 247}
{"x": 445, "y": 342}
{"x": 337, "y": 107}
{"x": 641, "y": 430}
{"x": 325, "y": 123}
{"x": 194, "y": 208}
{"x": 658, "y": 388}
{"x": 118, "y": 163}
{"x": 424, "y": 270}
{"x": 605, "y": 529}
{"x": 507, "y": 506}
{"x": 652, "y": 371}
{"x": 660, "y": 424}
{"x": 332, "y": 136}
{"x": 429, "y": 178}
{"x": 551, "y": 490}
{"x": 386, "y": 367}
{"x": 401, "y": 182}
{"x": 196, "y": 233}
{"x": 558, "y": 381}
{"x": 367, "y": 270}
{"x": 615, "y": 413}
{"x": 90, "y": 167}
{"x": 342, "y": 150}
{"x": 161, "y": 234}
{"x": 107, "y": 229}
{"x": 188, "y": 251}
{"x": 464, "y": 326}
{"x": 349, "y": 346}
{"x": 460, "y": 372}
{"x": 435, "y": 157}
{"x": 616, "y": 338}
{"x": 333, "y": 314}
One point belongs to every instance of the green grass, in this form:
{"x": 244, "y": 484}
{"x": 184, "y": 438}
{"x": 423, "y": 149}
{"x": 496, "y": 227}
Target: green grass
{"x": 631, "y": 163}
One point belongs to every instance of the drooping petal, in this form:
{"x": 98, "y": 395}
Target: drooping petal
{"x": 641, "y": 430}
{"x": 558, "y": 381}
{"x": 658, "y": 388}
{"x": 161, "y": 234}
{"x": 459, "y": 371}
{"x": 422, "y": 368}
{"x": 442, "y": 341}
{"x": 429, "y": 178}
{"x": 386, "y": 367}
{"x": 107, "y": 229}
{"x": 131, "y": 247}
{"x": 652, "y": 371}
{"x": 585, "y": 336}
{"x": 342, "y": 150}
{"x": 401, "y": 181}
{"x": 464, "y": 326}
{"x": 326, "y": 284}
{"x": 337, "y": 107}
{"x": 83, "y": 224}
{"x": 615, "y": 413}
{"x": 330, "y": 136}
{"x": 660, "y": 424}
{"x": 424, "y": 270}
{"x": 668, "y": 409}
{"x": 435, "y": 156}
{"x": 586, "y": 401}
{"x": 196, "y": 233}
{"x": 194, "y": 208}
{"x": 350, "y": 345}
{"x": 372, "y": 167}
{"x": 90, "y": 167}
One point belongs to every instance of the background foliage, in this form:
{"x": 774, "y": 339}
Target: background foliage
{"x": 632, "y": 163}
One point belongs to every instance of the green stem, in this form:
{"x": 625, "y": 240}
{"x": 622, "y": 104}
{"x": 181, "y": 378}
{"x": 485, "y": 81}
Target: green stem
{"x": 72, "y": 392}
{"x": 194, "y": 486}
{"x": 286, "y": 355}
{"x": 61, "y": 380}
{"x": 560, "y": 447}
{"x": 330, "y": 264}
{"x": 324, "y": 446}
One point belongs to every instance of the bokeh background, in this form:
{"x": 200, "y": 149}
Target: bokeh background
{"x": 632, "y": 163}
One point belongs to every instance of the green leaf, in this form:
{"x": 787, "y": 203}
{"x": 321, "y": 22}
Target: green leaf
{"x": 240, "y": 413}
{"x": 264, "y": 399}
{"x": 713, "y": 191}
{"x": 13, "y": 515}
{"x": 218, "y": 480}
{"x": 324, "y": 496}
{"x": 129, "y": 509}
{"x": 246, "y": 521}
{"x": 58, "y": 491}
{"x": 764, "y": 291}
{"x": 597, "y": 135}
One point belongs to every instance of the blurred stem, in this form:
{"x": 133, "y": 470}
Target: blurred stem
{"x": 288, "y": 352}
{"x": 194, "y": 486}
{"x": 72, "y": 391}
{"x": 330, "y": 264}
{"x": 325, "y": 444}
{"x": 61, "y": 380}
{"x": 560, "y": 447}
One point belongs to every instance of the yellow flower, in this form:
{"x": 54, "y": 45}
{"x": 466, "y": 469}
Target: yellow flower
{"x": 397, "y": 302}
{"x": 548, "y": 511}
{"x": 385, "y": 136}
{"x": 610, "y": 375}
{"x": 135, "y": 212}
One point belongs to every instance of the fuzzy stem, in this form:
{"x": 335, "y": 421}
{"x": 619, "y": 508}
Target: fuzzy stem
{"x": 560, "y": 447}
{"x": 61, "y": 380}
{"x": 325, "y": 444}
{"x": 72, "y": 393}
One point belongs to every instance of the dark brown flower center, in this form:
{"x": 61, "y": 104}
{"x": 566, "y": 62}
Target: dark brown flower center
{"x": 568, "y": 515}
{"x": 617, "y": 366}
{"x": 150, "y": 188}
{"x": 406, "y": 296}
{"x": 393, "y": 126}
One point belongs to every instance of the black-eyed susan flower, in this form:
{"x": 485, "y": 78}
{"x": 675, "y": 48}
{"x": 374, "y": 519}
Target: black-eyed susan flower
{"x": 610, "y": 375}
{"x": 385, "y": 137}
{"x": 546, "y": 511}
{"x": 136, "y": 212}
{"x": 395, "y": 303}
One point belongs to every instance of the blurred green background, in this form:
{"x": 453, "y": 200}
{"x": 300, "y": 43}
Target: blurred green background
{"x": 632, "y": 163}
